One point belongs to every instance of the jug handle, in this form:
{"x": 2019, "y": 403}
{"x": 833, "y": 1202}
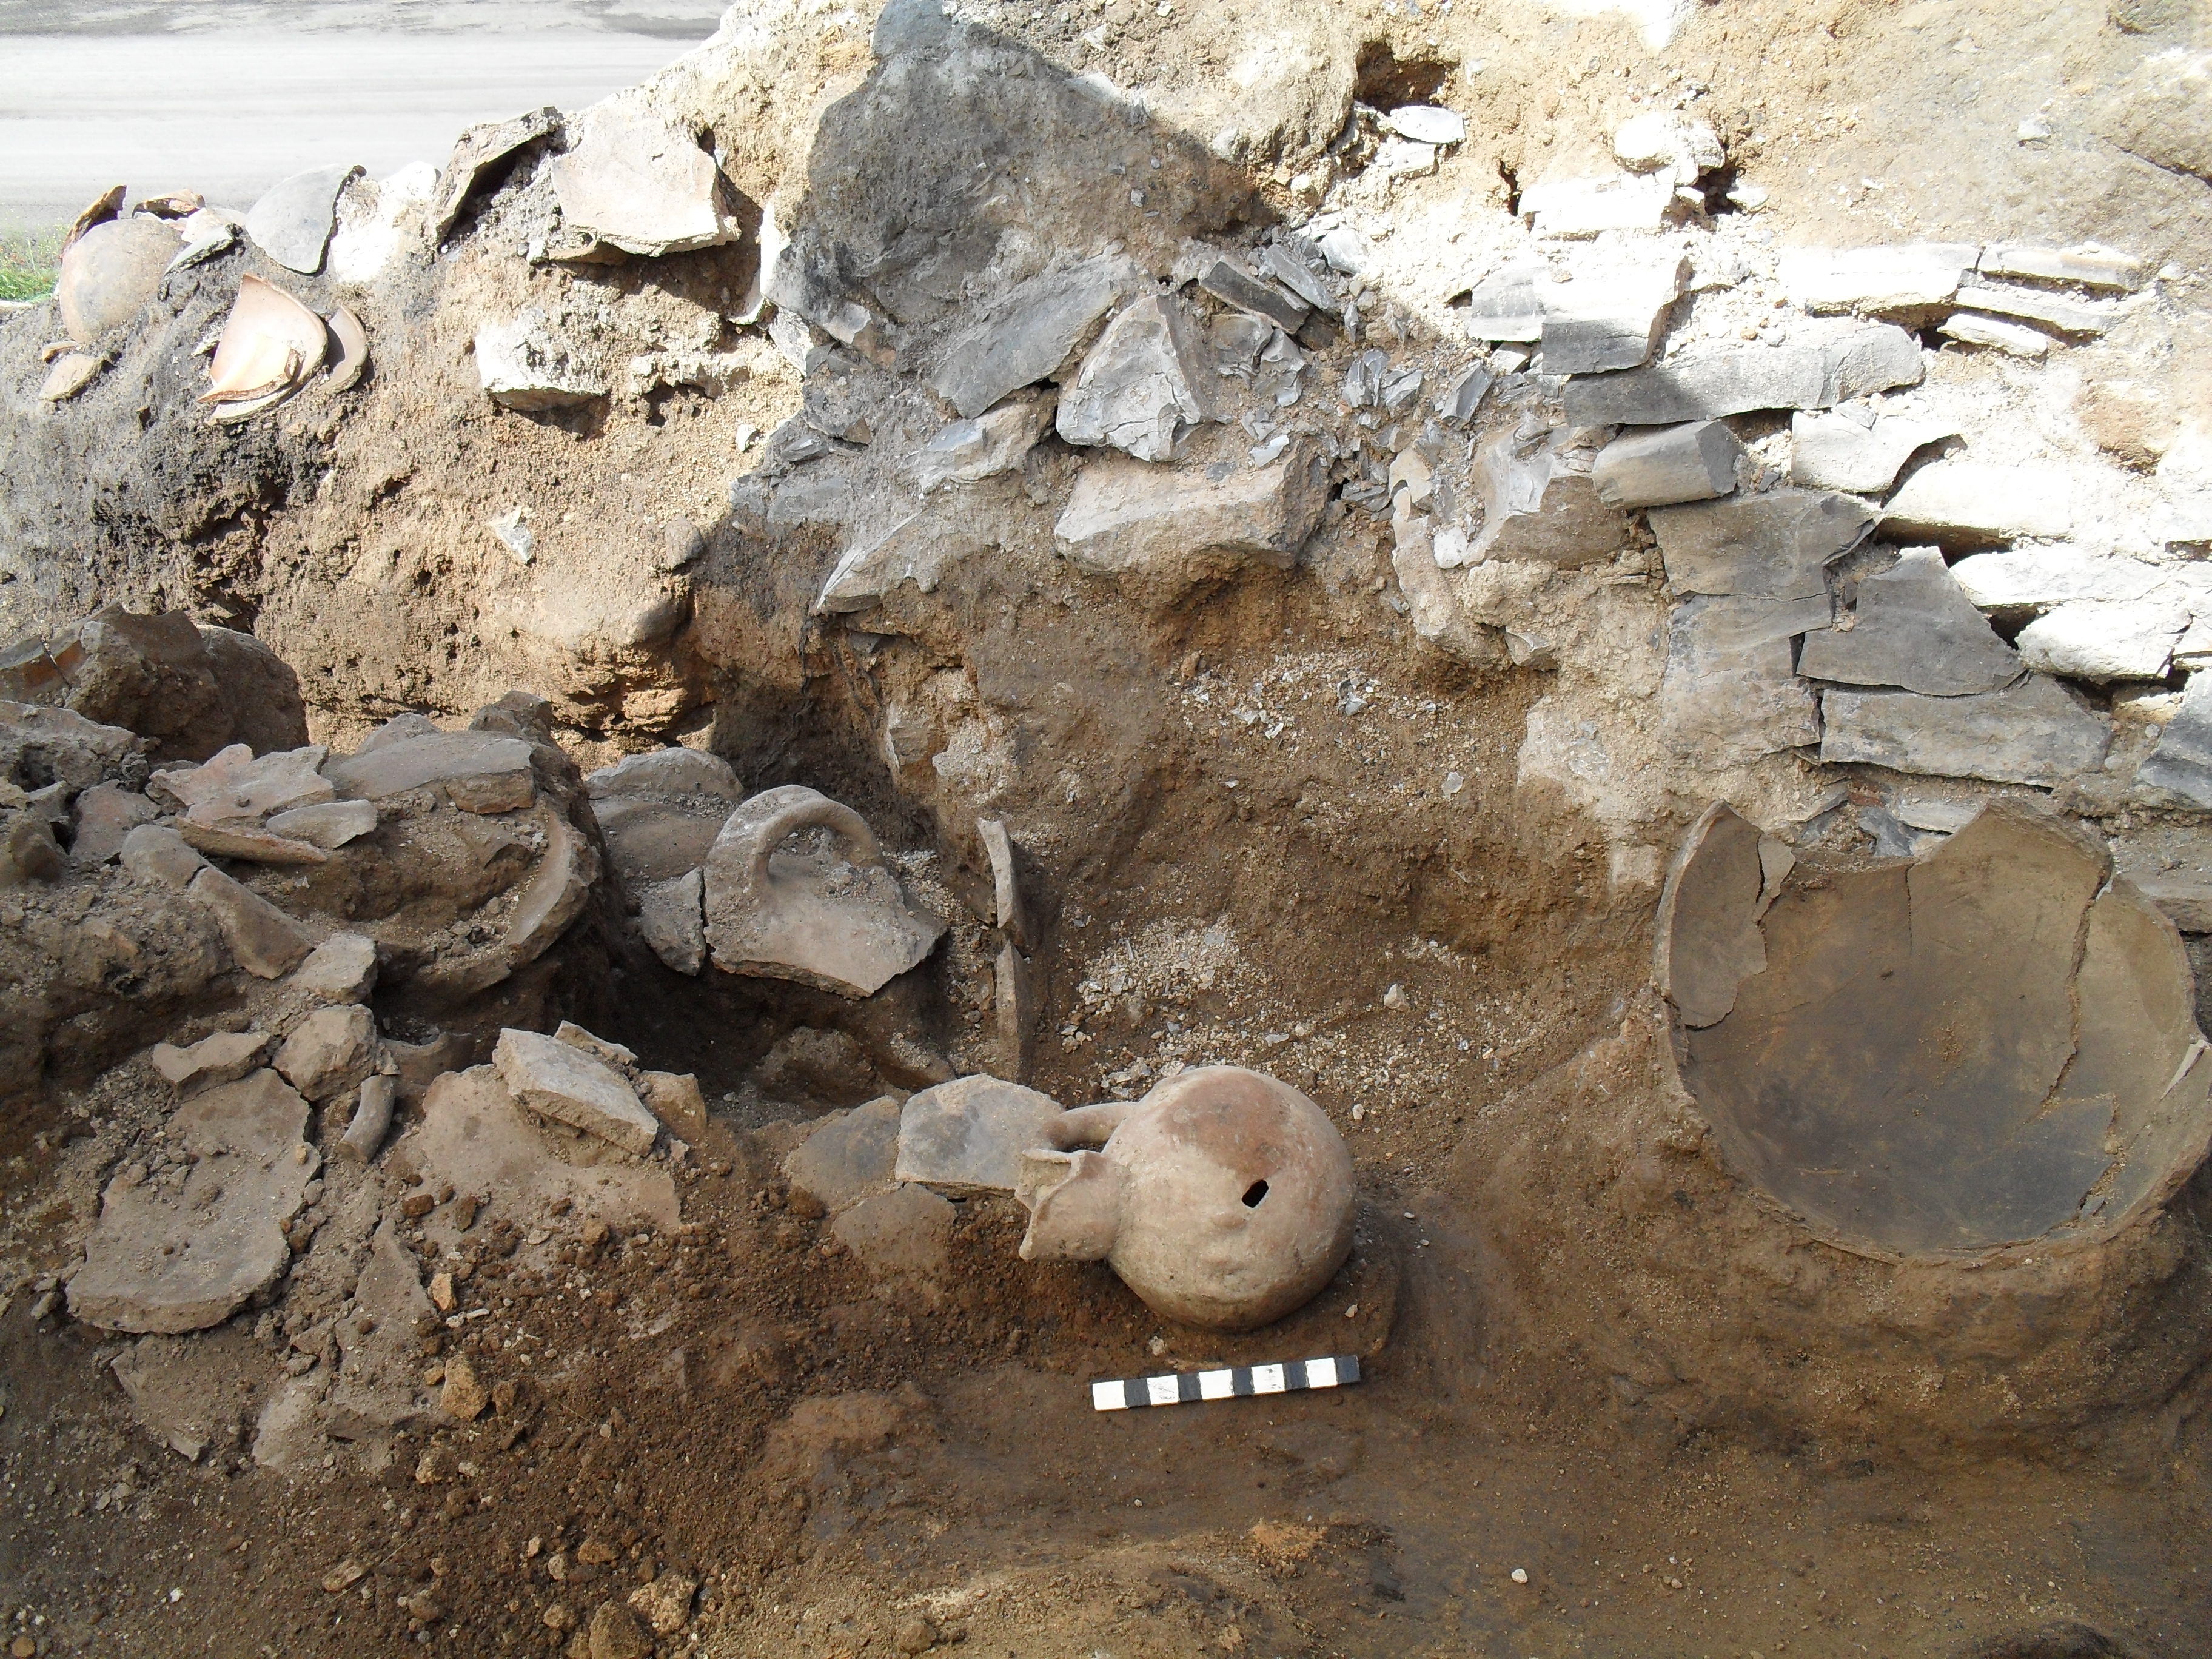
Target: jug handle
{"x": 850, "y": 827}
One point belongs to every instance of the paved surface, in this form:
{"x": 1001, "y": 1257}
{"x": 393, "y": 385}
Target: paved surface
{"x": 227, "y": 98}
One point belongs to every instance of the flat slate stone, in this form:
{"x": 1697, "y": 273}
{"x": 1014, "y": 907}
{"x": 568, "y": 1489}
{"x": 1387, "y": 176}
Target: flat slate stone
{"x": 2032, "y": 732}
{"x": 1834, "y": 452}
{"x": 1612, "y": 314}
{"x": 1232, "y": 287}
{"x": 557, "y": 1080}
{"x": 1741, "y": 379}
{"x": 173, "y": 1258}
{"x": 1540, "y": 505}
{"x": 1660, "y": 466}
{"x": 1030, "y": 334}
{"x": 2180, "y": 763}
{"x": 1142, "y": 385}
{"x": 1911, "y": 277}
{"x": 2171, "y": 865}
{"x": 1774, "y": 546}
{"x": 2092, "y": 640}
{"x": 2037, "y": 578}
{"x": 1915, "y": 629}
{"x": 968, "y": 1135}
{"x": 1730, "y": 692}
{"x": 484, "y": 766}
{"x": 292, "y": 220}
{"x": 1962, "y": 503}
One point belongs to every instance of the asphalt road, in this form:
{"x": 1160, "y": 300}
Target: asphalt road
{"x": 226, "y": 98}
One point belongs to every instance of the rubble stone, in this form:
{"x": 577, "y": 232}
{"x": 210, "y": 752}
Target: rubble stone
{"x": 223, "y": 1058}
{"x": 1032, "y": 332}
{"x": 666, "y": 1603}
{"x": 342, "y": 968}
{"x": 265, "y": 942}
{"x": 633, "y": 178}
{"x": 1971, "y": 328}
{"x": 2170, "y": 864}
{"x": 557, "y": 1080}
{"x": 1836, "y": 452}
{"x": 372, "y": 1118}
{"x": 1166, "y": 528}
{"x": 104, "y": 815}
{"x": 2037, "y": 578}
{"x": 1262, "y": 300}
{"x": 848, "y": 1155}
{"x": 328, "y": 824}
{"x": 330, "y": 1052}
{"x": 172, "y": 1261}
{"x": 1960, "y": 503}
{"x": 463, "y": 1397}
{"x": 967, "y": 1135}
{"x": 615, "y": 1634}
{"x": 247, "y": 842}
{"x": 1539, "y": 502}
{"x": 671, "y": 773}
{"x": 479, "y": 771}
{"x": 1590, "y": 207}
{"x": 156, "y": 854}
{"x": 1659, "y": 466}
{"x": 672, "y": 916}
{"x": 2179, "y": 765}
{"x": 1889, "y": 281}
{"x": 523, "y": 363}
{"x": 2033, "y": 733}
{"x": 1914, "y": 629}
{"x": 2088, "y": 640}
{"x": 1142, "y": 385}
{"x": 1730, "y": 692}
{"x": 675, "y": 1098}
{"x": 1610, "y": 316}
{"x": 995, "y": 441}
{"x": 58, "y": 746}
{"x": 1775, "y": 546}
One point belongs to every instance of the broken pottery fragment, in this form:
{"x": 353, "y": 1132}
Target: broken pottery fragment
{"x": 2035, "y": 732}
{"x": 660, "y": 813}
{"x": 968, "y": 1135}
{"x": 175, "y": 1258}
{"x": 1030, "y": 334}
{"x": 235, "y": 783}
{"x": 1835, "y": 451}
{"x": 292, "y": 220}
{"x": 833, "y": 915}
{"x": 329, "y": 824}
{"x": 1774, "y": 546}
{"x": 1991, "y": 1044}
{"x": 1659, "y": 466}
{"x": 104, "y": 815}
{"x": 347, "y": 352}
{"x": 1708, "y": 938}
{"x": 1962, "y": 503}
{"x": 1913, "y": 627}
{"x": 270, "y": 344}
{"x": 71, "y": 372}
{"x": 1223, "y": 1198}
{"x": 1163, "y": 529}
{"x": 573, "y": 1086}
{"x": 1143, "y": 385}
{"x": 155, "y": 853}
{"x": 248, "y": 842}
{"x": 110, "y": 274}
{"x": 372, "y": 1118}
{"x": 634, "y": 177}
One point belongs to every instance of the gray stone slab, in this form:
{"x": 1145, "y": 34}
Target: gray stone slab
{"x": 848, "y": 1155}
{"x": 2171, "y": 865}
{"x": 1165, "y": 528}
{"x": 1232, "y": 287}
{"x": 478, "y": 768}
{"x": 263, "y": 940}
{"x": 1867, "y": 360}
{"x": 1731, "y": 382}
{"x": 292, "y": 220}
{"x": 2180, "y": 766}
{"x": 1907, "y": 278}
{"x": 1146, "y": 382}
{"x": 1730, "y": 692}
{"x": 1835, "y": 451}
{"x": 1031, "y": 333}
{"x": 1660, "y": 466}
{"x": 1612, "y": 314}
{"x": 1914, "y": 629}
{"x": 967, "y": 1135}
{"x": 1507, "y": 304}
{"x": 1540, "y": 503}
{"x": 558, "y": 1080}
{"x": 1963, "y": 503}
{"x": 1775, "y": 546}
{"x": 2034, "y": 733}
{"x": 2091, "y": 267}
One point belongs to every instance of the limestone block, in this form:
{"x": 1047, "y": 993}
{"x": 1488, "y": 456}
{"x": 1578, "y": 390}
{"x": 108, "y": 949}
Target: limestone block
{"x": 557, "y": 1080}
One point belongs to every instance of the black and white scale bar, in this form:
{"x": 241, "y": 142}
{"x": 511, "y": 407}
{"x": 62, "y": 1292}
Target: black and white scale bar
{"x": 1230, "y": 1382}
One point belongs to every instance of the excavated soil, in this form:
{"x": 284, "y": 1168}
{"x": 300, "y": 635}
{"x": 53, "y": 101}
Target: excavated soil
{"x": 1614, "y": 1403}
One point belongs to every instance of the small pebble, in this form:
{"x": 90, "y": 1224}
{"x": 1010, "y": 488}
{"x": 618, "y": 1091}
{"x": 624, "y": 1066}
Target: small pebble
{"x": 1520, "y": 1574}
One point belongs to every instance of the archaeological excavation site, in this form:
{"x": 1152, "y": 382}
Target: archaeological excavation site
{"x": 1129, "y": 829}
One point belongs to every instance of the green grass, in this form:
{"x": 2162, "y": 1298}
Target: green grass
{"x": 29, "y": 262}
